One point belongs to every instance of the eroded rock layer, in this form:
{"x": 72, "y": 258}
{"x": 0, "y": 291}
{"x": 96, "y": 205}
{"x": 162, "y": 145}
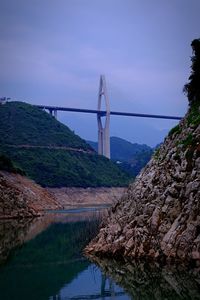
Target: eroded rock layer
{"x": 159, "y": 215}
{"x": 21, "y": 197}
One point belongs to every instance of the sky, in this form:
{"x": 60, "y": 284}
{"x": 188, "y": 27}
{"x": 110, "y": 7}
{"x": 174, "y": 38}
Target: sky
{"x": 54, "y": 51}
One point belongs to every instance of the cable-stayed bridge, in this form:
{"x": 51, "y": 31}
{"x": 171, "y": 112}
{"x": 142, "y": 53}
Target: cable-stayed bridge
{"x": 102, "y": 113}
{"x": 103, "y": 131}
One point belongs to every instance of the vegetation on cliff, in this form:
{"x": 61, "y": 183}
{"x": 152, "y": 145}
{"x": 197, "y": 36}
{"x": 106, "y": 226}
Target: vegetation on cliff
{"x": 192, "y": 88}
{"x": 50, "y": 153}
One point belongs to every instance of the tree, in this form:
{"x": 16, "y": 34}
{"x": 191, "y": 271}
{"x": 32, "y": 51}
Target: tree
{"x": 192, "y": 88}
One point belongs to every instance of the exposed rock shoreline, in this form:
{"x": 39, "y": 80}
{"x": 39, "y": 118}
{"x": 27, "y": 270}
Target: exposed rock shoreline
{"x": 159, "y": 215}
{"x": 21, "y": 197}
{"x": 69, "y": 197}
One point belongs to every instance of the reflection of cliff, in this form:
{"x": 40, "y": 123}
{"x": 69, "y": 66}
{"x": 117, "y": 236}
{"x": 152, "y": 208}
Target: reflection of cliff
{"x": 149, "y": 281}
{"x": 12, "y": 234}
{"x": 43, "y": 265}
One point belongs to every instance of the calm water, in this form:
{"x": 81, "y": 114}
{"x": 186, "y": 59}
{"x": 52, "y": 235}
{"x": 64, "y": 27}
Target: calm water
{"x": 43, "y": 260}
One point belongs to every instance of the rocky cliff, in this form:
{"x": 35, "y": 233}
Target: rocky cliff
{"x": 159, "y": 215}
{"x": 21, "y": 197}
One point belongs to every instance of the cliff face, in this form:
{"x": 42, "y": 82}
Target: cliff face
{"x": 159, "y": 215}
{"x": 21, "y": 197}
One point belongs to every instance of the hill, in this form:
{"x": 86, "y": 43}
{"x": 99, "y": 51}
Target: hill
{"x": 24, "y": 124}
{"x": 131, "y": 157}
{"x": 50, "y": 153}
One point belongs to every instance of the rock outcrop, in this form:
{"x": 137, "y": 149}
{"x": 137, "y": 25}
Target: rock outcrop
{"x": 159, "y": 215}
{"x": 20, "y": 197}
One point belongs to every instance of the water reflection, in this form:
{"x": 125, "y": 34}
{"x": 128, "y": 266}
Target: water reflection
{"x": 50, "y": 265}
{"x": 15, "y": 232}
{"x": 150, "y": 281}
{"x": 12, "y": 234}
{"x": 91, "y": 284}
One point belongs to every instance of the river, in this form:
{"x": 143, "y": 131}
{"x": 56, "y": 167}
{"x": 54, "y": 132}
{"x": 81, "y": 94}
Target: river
{"x": 42, "y": 259}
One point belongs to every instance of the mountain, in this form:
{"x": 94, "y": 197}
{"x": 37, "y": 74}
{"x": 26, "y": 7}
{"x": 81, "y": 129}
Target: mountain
{"x": 50, "y": 153}
{"x": 131, "y": 157}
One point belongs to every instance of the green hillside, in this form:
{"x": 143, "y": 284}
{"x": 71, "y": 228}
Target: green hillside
{"x": 22, "y": 124}
{"x": 131, "y": 157}
{"x": 125, "y": 151}
{"x": 6, "y": 164}
{"x": 50, "y": 153}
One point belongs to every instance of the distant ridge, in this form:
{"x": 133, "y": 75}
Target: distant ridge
{"x": 50, "y": 153}
{"x": 131, "y": 157}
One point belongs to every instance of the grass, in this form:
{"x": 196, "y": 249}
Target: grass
{"x": 194, "y": 115}
{"x": 157, "y": 153}
{"x": 175, "y": 130}
{"x": 189, "y": 141}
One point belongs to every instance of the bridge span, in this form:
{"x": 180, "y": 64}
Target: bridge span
{"x": 102, "y": 113}
{"x": 103, "y": 132}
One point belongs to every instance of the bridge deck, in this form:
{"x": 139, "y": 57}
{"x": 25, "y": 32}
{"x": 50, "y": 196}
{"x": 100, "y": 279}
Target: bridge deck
{"x": 103, "y": 112}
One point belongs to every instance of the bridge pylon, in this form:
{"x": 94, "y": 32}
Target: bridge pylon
{"x": 103, "y": 131}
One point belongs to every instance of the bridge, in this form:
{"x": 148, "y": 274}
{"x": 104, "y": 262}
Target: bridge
{"x": 103, "y": 131}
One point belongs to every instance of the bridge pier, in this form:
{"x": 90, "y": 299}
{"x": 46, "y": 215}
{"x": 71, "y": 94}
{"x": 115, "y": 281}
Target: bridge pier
{"x": 53, "y": 113}
{"x": 103, "y": 132}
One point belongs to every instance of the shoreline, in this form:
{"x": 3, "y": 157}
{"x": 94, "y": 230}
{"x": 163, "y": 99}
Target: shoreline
{"x": 70, "y": 197}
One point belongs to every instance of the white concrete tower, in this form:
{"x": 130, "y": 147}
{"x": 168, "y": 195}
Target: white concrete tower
{"x": 103, "y": 132}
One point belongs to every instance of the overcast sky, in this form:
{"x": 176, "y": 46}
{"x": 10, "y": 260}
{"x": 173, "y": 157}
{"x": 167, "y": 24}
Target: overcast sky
{"x": 53, "y": 52}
